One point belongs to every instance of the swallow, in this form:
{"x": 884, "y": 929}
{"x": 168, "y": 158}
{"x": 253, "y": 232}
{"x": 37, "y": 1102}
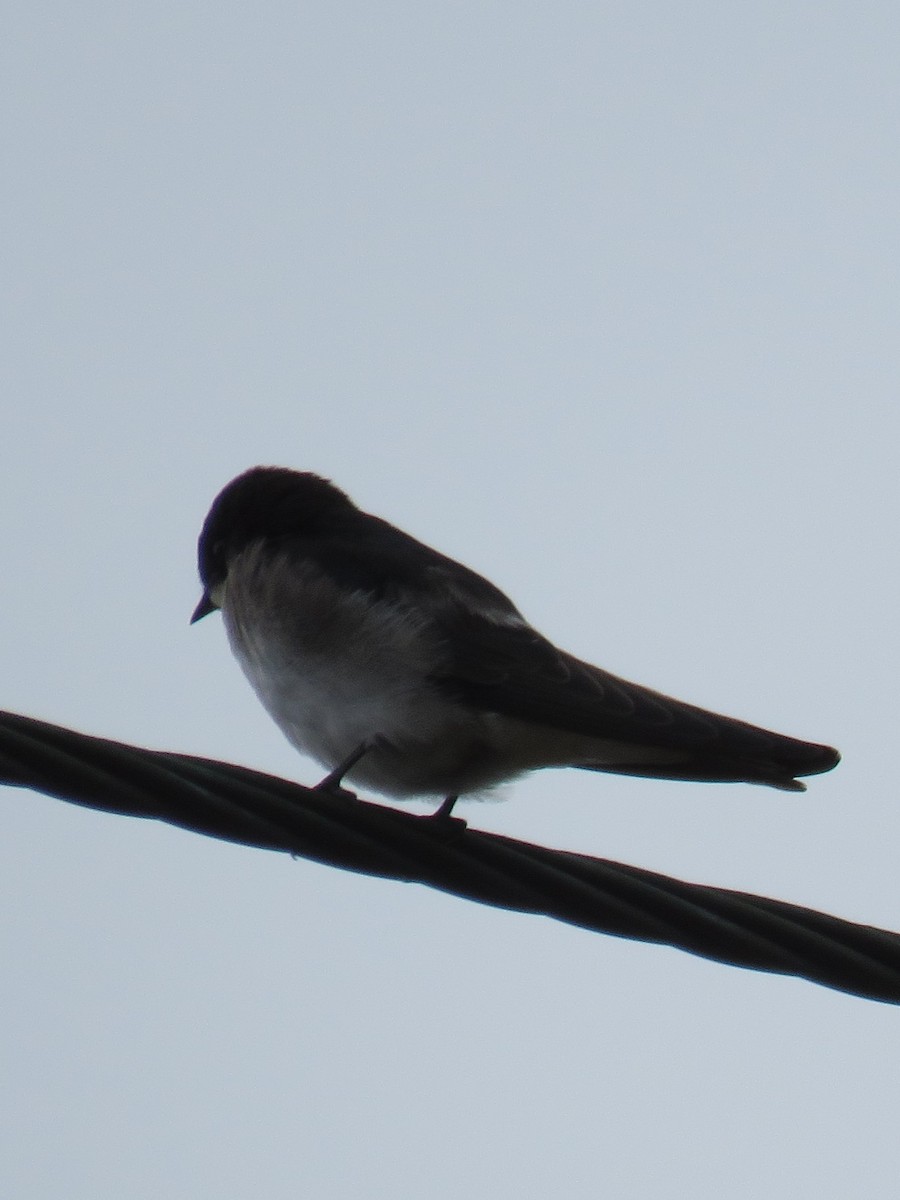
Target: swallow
{"x": 411, "y": 675}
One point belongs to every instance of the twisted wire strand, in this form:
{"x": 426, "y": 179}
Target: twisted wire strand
{"x": 239, "y": 805}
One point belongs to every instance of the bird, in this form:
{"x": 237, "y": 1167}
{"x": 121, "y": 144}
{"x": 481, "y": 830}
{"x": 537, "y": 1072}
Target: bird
{"x": 406, "y": 673}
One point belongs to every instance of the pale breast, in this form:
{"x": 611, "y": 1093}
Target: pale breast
{"x": 334, "y": 668}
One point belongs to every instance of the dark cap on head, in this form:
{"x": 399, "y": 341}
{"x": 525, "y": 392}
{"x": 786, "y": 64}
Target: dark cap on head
{"x": 264, "y": 502}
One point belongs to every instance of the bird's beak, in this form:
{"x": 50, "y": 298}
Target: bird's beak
{"x": 204, "y": 608}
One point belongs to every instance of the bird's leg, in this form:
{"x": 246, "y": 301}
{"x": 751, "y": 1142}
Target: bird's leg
{"x": 332, "y": 781}
{"x": 446, "y": 808}
{"x": 442, "y": 822}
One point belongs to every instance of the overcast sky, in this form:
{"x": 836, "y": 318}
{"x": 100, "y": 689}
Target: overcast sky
{"x": 601, "y": 299}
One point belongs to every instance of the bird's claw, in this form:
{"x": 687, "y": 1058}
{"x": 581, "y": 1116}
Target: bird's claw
{"x": 441, "y": 818}
{"x": 332, "y": 781}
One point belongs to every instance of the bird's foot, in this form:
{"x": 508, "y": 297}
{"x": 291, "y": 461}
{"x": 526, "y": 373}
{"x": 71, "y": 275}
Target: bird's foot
{"x": 446, "y": 808}
{"x": 332, "y": 782}
{"x": 441, "y": 817}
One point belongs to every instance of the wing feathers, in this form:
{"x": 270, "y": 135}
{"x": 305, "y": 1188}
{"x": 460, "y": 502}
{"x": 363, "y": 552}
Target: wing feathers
{"x": 519, "y": 674}
{"x": 492, "y": 659}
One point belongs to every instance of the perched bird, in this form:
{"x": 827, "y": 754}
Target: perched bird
{"x": 414, "y": 676}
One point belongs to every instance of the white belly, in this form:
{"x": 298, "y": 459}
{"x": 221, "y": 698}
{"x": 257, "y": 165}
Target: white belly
{"x": 333, "y": 671}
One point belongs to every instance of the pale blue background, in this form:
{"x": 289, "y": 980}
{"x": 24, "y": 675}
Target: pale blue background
{"x": 600, "y": 298}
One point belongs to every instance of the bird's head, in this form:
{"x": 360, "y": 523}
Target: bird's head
{"x": 263, "y": 503}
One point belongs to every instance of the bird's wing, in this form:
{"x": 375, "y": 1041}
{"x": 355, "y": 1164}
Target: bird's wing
{"x": 509, "y": 668}
{"x": 492, "y": 659}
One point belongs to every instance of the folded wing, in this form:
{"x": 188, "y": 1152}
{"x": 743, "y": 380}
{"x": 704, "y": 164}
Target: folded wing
{"x": 506, "y": 667}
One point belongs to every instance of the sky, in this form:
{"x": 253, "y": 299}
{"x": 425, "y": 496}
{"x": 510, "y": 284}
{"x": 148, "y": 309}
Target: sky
{"x": 600, "y": 299}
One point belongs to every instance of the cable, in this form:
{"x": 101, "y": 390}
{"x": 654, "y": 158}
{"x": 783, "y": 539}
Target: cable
{"x": 240, "y": 805}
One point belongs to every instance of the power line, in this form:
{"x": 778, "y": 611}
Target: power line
{"x": 240, "y": 805}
